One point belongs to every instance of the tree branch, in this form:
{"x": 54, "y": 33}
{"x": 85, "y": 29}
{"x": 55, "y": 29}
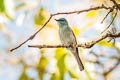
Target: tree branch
{"x": 32, "y": 36}
{"x": 63, "y": 13}
{"x": 84, "y": 45}
{"x": 111, "y": 21}
{"x": 117, "y": 5}
{"x": 106, "y": 15}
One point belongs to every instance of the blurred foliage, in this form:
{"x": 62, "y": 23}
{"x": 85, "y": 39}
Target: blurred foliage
{"x": 61, "y": 66}
{"x": 41, "y": 67}
{"x": 3, "y": 9}
{"x": 54, "y": 77}
{"x": 76, "y": 31}
{"x": 39, "y": 18}
{"x": 73, "y": 74}
{"x": 24, "y": 76}
{"x": 59, "y": 54}
{"x": 105, "y": 43}
{"x": 88, "y": 75}
{"x": 20, "y": 6}
{"x": 91, "y": 14}
{"x": 87, "y": 25}
{"x": 60, "y": 57}
{"x": 2, "y": 6}
{"x": 1, "y": 26}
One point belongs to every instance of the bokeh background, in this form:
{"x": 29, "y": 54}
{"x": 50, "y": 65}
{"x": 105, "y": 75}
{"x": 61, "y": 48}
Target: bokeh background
{"x": 19, "y": 19}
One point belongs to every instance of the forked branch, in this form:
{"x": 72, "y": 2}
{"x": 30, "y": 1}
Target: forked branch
{"x": 83, "y": 45}
{"x": 63, "y": 13}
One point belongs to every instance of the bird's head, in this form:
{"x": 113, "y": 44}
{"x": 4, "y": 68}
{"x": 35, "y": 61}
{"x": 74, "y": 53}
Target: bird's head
{"x": 62, "y": 22}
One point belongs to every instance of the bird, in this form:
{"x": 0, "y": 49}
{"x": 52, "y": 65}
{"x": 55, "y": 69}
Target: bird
{"x": 67, "y": 37}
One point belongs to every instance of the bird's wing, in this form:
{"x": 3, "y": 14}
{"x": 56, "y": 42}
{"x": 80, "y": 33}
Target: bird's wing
{"x": 76, "y": 54}
{"x": 74, "y": 37}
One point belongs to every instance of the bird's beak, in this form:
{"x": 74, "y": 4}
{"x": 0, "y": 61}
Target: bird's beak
{"x": 56, "y": 19}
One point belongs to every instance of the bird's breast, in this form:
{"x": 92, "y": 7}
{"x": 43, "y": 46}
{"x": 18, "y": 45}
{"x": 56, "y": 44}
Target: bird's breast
{"x": 66, "y": 36}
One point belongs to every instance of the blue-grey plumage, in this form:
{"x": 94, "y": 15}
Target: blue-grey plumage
{"x": 67, "y": 37}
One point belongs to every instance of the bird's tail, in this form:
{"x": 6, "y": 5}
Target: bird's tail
{"x": 76, "y": 54}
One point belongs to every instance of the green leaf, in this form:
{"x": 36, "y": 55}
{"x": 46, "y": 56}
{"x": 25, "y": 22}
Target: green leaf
{"x": 20, "y": 6}
{"x": 54, "y": 77}
{"x": 88, "y": 75}
{"x": 76, "y": 31}
{"x": 105, "y": 43}
{"x": 80, "y": 50}
{"x": 59, "y": 53}
{"x": 60, "y": 57}
{"x": 3, "y": 10}
{"x": 41, "y": 66}
{"x": 73, "y": 74}
{"x": 39, "y": 17}
{"x": 24, "y": 75}
{"x": 2, "y": 6}
{"x": 9, "y": 17}
{"x": 61, "y": 66}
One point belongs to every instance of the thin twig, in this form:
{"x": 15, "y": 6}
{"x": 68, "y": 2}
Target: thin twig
{"x": 86, "y": 10}
{"x": 106, "y": 15}
{"x": 117, "y": 5}
{"x": 111, "y": 21}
